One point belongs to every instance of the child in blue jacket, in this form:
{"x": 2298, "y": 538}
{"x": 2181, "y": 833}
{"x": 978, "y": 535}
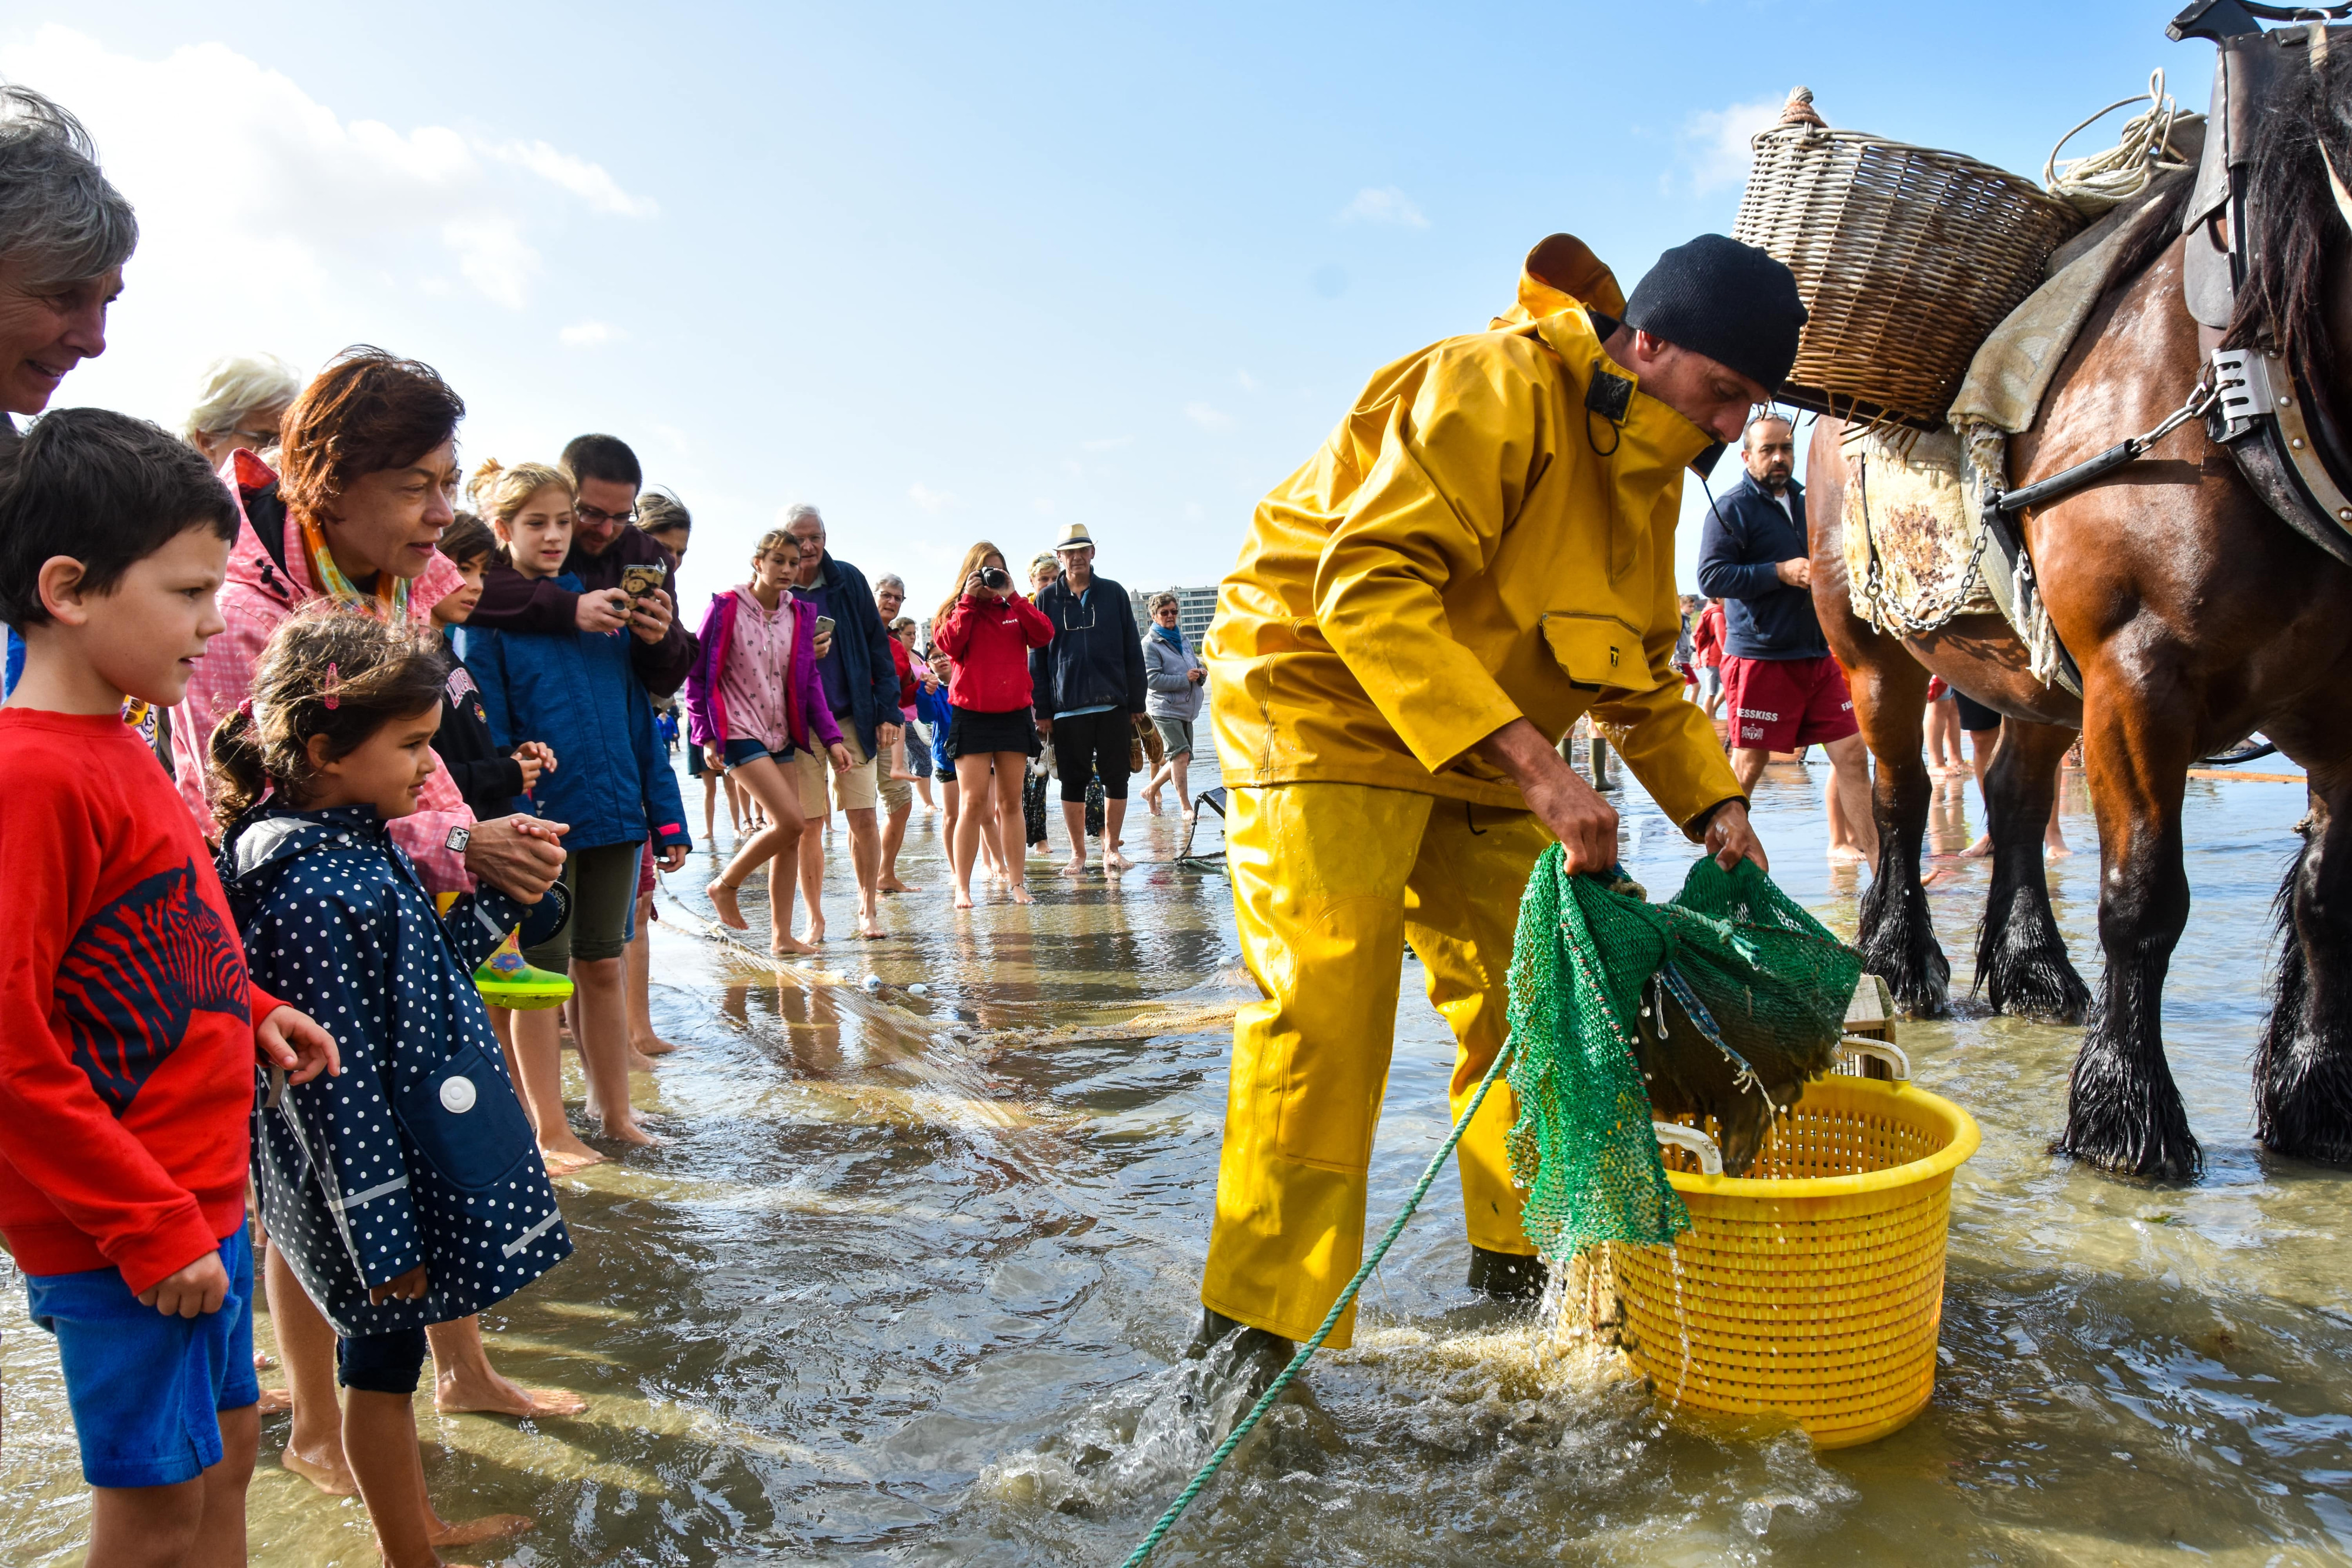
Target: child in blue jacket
{"x": 578, "y": 692}
{"x": 409, "y": 1190}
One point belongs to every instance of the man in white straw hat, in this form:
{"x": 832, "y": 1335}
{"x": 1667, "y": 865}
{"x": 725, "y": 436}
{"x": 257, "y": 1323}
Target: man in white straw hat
{"x": 1089, "y": 685}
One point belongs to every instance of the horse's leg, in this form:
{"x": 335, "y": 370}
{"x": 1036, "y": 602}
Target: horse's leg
{"x": 2020, "y": 958}
{"x": 1898, "y": 941}
{"x": 2123, "y": 1110}
{"x": 2302, "y": 1068}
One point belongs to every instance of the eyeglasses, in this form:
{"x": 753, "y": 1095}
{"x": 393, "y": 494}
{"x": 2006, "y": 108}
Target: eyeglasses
{"x": 599, "y": 515}
{"x": 1070, "y": 609}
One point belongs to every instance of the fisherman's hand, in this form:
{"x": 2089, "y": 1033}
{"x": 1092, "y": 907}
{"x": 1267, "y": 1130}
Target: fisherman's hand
{"x": 1796, "y": 571}
{"x": 607, "y": 609}
{"x": 202, "y": 1287}
{"x": 294, "y": 1043}
{"x": 1731, "y": 838}
{"x": 409, "y": 1287}
{"x": 521, "y": 857}
{"x": 651, "y": 617}
{"x": 1574, "y": 812}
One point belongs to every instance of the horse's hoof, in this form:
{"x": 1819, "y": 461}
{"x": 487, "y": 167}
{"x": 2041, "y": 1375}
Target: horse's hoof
{"x": 2123, "y": 1116}
{"x": 2041, "y": 990}
{"x": 2302, "y": 1100}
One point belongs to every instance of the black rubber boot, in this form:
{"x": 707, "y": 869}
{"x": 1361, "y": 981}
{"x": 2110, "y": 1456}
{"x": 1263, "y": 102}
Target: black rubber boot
{"x": 1234, "y": 1350}
{"x": 1508, "y": 1276}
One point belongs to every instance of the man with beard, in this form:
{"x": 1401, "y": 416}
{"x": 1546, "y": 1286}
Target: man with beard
{"x": 1785, "y": 691}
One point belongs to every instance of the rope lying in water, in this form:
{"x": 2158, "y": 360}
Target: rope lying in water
{"x": 1281, "y": 1380}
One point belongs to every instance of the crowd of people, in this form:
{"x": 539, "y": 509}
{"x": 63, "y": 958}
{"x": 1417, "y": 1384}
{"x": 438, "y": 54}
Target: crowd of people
{"x": 342, "y": 783}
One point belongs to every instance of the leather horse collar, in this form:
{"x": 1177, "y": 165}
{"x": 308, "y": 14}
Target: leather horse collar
{"x": 2284, "y": 440}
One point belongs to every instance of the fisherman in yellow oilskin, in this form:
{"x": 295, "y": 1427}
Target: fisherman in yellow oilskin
{"x": 1482, "y": 552}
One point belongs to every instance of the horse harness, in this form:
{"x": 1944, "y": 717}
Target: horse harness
{"x": 2254, "y": 401}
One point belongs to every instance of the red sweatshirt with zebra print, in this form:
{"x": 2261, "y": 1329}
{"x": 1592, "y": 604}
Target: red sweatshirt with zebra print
{"x": 126, "y": 1014}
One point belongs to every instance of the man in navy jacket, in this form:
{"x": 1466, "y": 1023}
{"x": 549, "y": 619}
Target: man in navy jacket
{"x": 1088, "y": 688}
{"x": 861, "y": 683}
{"x": 1785, "y": 691}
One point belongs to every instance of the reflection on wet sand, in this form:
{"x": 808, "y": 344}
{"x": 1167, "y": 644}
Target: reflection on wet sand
{"x": 908, "y": 1279}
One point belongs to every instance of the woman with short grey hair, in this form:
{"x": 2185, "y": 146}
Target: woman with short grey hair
{"x": 244, "y": 400}
{"x": 1172, "y": 679}
{"x": 65, "y": 233}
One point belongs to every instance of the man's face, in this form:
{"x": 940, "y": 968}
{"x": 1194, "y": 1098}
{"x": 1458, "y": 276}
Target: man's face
{"x": 46, "y": 330}
{"x": 391, "y": 519}
{"x": 888, "y": 599}
{"x": 1770, "y": 452}
{"x": 810, "y": 537}
{"x": 1078, "y": 561}
{"x": 602, "y": 509}
{"x": 1707, "y": 393}
{"x": 146, "y": 633}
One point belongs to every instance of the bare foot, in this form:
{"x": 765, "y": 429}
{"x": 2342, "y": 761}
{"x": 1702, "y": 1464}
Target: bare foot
{"x": 892, "y": 884}
{"x": 1187, "y": 813}
{"x": 263, "y": 1360}
{"x": 639, "y": 1061}
{"x": 1151, "y": 799}
{"x": 1930, "y": 879}
{"x": 1075, "y": 866}
{"x": 1115, "y": 861}
{"x": 789, "y": 945}
{"x": 497, "y": 1396}
{"x": 471, "y": 1531}
{"x": 1843, "y": 854}
{"x": 1980, "y": 850}
{"x": 722, "y": 899}
{"x": 1020, "y": 895}
{"x": 869, "y": 926}
{"x": 275, "y": 1402}
{"x": 567, "y": 1154}
{"x": 624, "y": 1130}
{"x": 651, "y": 1045}
{"x": 814, "y": 931}
{"x": 964, "y": 897}
{"x": 333, "y": 1478}
{"x": 2057, "y": 852}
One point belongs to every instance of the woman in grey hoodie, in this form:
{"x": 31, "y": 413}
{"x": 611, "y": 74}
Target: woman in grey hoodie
{"x": 1172, "y": 677}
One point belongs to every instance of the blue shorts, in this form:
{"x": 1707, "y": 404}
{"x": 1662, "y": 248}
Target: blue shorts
{"x": 739, "y": 752}
{"x": 146, "y": 1390}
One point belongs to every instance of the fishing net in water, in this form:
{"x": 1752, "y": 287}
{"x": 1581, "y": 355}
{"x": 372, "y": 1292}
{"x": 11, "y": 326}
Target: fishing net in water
{"x": 1766, "y": 982}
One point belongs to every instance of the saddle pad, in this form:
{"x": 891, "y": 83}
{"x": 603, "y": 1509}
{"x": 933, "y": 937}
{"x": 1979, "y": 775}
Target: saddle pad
{"x": 1906, "y": 503}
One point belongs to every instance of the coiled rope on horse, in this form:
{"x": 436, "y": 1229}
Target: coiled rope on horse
{"x": 2091, "y": 185}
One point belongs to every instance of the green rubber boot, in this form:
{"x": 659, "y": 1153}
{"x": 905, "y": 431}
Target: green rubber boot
{"x": 506, "y": 980}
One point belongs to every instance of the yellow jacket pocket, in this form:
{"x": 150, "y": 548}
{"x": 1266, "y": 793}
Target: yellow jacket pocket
{"x": 1597, "y": 651}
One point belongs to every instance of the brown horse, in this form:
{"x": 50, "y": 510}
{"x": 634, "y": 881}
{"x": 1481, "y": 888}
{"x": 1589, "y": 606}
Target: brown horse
{"x": 2197, "y": 616}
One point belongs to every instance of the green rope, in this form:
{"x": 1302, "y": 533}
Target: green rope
{"x": 1282, "y": 1381}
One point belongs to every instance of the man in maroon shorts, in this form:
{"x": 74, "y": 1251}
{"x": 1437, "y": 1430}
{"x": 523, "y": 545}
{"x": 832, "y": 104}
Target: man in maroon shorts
{"x": 1784, "y": 690}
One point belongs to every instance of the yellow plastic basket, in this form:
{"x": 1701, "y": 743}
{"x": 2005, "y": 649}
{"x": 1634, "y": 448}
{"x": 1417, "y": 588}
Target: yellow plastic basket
{"x": 1812, "y": 1288}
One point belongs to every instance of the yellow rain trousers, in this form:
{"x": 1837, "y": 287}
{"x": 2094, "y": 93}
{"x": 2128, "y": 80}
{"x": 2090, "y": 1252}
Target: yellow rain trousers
{"x": 1488, "y": 536}
{"x": 1330, "y": 880}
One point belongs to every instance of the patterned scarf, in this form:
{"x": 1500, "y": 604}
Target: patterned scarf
{"x": 389, "y": 601}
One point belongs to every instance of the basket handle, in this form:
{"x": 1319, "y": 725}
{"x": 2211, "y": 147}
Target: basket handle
{"x": 1710, "y": 1157}
{"x": 1898, "y": 1065}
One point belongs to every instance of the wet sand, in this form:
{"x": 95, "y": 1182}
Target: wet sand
{"x": 906, "y": 1280}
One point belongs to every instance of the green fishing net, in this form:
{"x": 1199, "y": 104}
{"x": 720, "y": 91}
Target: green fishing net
{"x": 1588, "y": 950}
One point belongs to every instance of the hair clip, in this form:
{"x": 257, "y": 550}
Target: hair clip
{"x": 334, "y": 680}
{"x": 244, "y": 706}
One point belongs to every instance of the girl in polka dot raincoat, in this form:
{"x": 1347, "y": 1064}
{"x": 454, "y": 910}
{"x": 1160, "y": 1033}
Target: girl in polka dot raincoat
{"x": 408, "y": 1190}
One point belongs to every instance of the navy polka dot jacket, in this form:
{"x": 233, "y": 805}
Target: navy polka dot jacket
{"x": 418, "y": 1151}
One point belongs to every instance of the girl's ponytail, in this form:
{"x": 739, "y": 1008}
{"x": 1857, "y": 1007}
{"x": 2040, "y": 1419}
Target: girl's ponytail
{"x": 240, "y": 778}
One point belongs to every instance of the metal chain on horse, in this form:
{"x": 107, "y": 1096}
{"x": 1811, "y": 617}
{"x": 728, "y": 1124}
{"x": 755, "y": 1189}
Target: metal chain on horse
{"x": 1888, "y": 614}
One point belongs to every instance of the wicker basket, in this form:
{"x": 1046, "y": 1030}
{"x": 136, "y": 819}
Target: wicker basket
{"x": 1812, "y": 1288}
{"x": 1907, "y": 258}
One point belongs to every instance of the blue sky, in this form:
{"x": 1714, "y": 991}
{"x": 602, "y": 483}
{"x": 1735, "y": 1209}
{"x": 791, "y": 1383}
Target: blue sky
{"x": 962, "y": 273}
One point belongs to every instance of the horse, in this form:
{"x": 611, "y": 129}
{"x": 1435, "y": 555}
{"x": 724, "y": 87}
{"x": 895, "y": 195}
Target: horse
{"x": 2197, "y": 616}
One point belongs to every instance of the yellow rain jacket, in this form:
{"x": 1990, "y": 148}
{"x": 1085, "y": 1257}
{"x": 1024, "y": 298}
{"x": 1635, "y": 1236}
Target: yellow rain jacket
{"x": 1472, "y": 546}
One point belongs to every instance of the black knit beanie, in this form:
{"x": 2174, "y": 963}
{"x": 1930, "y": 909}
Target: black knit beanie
{"x": 1727, "y": 301}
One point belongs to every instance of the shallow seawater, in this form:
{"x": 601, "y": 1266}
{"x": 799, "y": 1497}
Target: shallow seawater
{"x": 906, "y": 1281}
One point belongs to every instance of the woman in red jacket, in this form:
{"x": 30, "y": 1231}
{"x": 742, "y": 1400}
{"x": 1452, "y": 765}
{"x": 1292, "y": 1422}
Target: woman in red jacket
{"x": 988, "y": 630}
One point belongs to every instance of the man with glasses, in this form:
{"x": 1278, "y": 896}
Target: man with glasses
{"x": 606, "y": 479}
{"x": 1089, "y": 685}
{"x": 861, "y": 685}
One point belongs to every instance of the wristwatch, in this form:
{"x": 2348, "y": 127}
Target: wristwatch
{"x": 458, "y": 838}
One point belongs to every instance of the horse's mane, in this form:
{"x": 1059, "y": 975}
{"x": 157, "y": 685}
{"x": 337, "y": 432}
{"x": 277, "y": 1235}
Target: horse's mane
{"x": 2294, "y": 219}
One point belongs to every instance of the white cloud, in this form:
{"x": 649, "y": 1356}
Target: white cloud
{"x": 1245, "y": 381}
{"x": 588, "y": 335}
{"x": 930, "y": 500}
{"x": 1208, "y": 418}
{"x": 291, "y": 204}
{"x": 1715, "y": 143}
{"x": 1383, "y": 204}
{"x": 1110, "y": 443}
